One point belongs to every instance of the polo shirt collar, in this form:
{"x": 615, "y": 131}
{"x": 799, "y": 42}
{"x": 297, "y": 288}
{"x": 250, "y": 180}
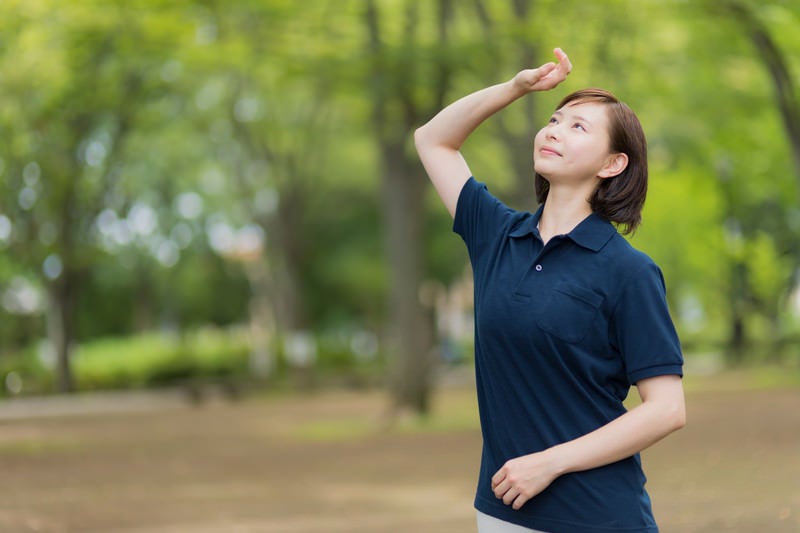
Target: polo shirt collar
{"x": 527, "y": 225}
{"x": 592, "y": 233}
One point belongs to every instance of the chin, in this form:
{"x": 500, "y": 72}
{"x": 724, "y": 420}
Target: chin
{"x": 542, "y": 171}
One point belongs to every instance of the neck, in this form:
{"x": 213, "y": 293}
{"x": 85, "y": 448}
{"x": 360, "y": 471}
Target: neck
{"x": 563, "y": 210}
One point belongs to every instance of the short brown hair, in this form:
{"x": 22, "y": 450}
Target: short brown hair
{"x": 619, "y": 199}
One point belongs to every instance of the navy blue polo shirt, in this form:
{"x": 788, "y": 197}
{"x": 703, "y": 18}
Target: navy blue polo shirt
{"x": 561, "y": 333}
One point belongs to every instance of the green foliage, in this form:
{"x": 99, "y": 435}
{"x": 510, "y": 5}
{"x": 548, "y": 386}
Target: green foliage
{"x": 24, "y": 373}
{"x": 197, "y": 357}
{"x": 160, "y": 359}
{"x": 136, "y": 134}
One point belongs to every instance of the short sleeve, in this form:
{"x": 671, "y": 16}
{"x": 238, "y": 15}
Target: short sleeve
{"x": 479, "y": 216}
{"x": 642, "y": 327}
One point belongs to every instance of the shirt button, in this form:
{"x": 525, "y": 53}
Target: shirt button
{"x": 538, "y": 268}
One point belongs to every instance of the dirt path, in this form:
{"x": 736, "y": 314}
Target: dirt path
{"x": 323, "y": 463}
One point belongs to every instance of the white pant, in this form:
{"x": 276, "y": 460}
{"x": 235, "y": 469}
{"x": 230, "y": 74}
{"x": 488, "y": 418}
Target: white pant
{"x": 490, "y": 524}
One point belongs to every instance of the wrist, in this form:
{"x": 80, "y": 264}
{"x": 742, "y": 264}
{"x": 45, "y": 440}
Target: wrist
{"x": 557, "y": 460}
{"x": 515, "y": 89}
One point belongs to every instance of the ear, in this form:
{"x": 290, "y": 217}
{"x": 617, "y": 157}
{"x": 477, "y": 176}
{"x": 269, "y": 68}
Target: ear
{"x": 615, "y": 164}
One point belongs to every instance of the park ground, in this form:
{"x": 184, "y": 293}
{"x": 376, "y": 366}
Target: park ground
{"x": 327, "y": 461}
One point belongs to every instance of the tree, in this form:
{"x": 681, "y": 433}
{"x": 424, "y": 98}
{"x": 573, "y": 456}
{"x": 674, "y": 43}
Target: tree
{"x": 516, "y": 135}
{"x": 396, "y": 111}
{"x": 770, "y": 216}
{"x": 77, "y": 76}
{"x": 787, "y": 98}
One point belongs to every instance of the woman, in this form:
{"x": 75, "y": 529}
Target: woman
{"x": 567, "y": 315}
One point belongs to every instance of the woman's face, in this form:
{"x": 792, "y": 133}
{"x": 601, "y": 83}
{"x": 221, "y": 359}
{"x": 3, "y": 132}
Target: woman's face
{"x": 574, "y": 145}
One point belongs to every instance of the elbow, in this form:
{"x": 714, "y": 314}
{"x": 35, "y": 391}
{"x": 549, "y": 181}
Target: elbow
{"x": 424, "y": 142}
{"x": 419, "y": 137}
{"x": 664, "y": 395}
{"x": 670, "y": 416}
{"x": 676, "y": 417}
{"x": 429, "y": 142}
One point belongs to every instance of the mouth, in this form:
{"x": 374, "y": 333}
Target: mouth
{"x": 546, "y": 150}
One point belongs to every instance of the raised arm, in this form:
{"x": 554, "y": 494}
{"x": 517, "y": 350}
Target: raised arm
{"x": 438, "y": 142}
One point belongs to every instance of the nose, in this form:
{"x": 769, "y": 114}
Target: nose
{"x": 552, "y": 132}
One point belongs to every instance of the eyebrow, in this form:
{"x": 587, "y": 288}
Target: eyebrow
{"x": 576, "y": 117}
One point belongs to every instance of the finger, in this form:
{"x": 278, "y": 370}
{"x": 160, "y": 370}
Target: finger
{"x": 544, "y": 70}
{"x": 563, "y": 60}
{"x": 497, "y": 479}
{"x": 519, "y": 501}
{"x": 501, "y": 489}
{"x": 510, "y": 496}
{"x": 567, "y": 65}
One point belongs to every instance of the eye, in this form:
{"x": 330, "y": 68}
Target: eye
{"x": 579, "y": 126}
{"x": 552, "y": 120}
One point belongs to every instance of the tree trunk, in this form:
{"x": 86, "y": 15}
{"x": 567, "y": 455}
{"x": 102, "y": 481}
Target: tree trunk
{"x": 143, "y": 311}
{"x": 737, "y": 335}
{"x": 60, "y": 312}
{"x": 262, "y": 317}
{"x": 734, "y": 354}
{"x": 289, "y": 254}
{"x": 409, "y": 329}
{"x": 397, "y": 109}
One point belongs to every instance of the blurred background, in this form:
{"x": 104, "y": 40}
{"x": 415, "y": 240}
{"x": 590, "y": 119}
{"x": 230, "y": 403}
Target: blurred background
{"x": 198, "y": 193}
{"x": 201, "y": 195}
{"x": 200, "y": 189}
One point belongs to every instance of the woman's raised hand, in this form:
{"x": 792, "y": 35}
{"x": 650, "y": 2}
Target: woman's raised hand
{"x": 545, "y": 77}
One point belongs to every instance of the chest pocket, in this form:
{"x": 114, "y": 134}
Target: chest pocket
{"x": 568, "y": 312}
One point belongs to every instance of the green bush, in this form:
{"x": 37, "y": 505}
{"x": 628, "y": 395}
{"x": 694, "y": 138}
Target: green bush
{"x": 26, "y": 371}
{"x": 158, "y": 359}
{"x": 154, "y": 359}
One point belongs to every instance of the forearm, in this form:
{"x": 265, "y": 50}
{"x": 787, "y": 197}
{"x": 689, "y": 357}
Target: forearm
{"x": 451, "y": 127}
{"x": 522, "y": 478}
{"x": 453, "y": 124}
{"x": 439, "y": 141}
{"x": 623, "y": 437}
